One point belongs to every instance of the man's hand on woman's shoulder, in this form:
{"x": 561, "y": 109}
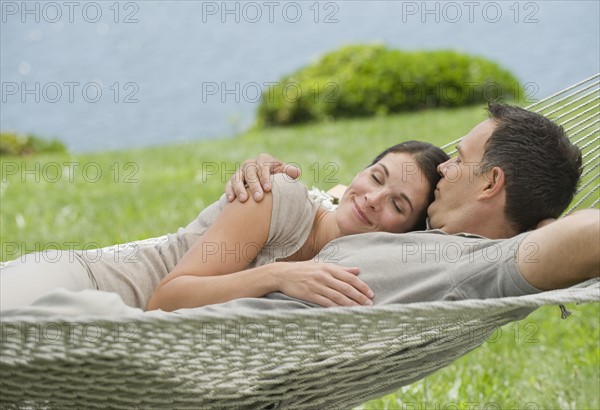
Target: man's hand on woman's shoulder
{"x": 254, "y": 177}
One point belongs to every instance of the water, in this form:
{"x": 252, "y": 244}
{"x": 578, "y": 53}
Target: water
{"x": 106, "y": 75}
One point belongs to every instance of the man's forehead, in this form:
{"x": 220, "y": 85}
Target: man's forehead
{"x": 478, "y": 136}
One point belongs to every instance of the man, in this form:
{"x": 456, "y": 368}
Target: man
{"x": 512, "y": 172}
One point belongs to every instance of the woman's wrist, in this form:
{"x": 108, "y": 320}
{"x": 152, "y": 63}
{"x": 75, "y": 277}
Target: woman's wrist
{"x": 272, "y": 276}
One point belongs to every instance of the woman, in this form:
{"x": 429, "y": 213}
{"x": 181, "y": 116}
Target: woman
{"x": 228, "y": 251}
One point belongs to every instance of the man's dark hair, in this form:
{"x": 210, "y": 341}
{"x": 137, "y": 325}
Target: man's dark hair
{"x": 428, "y": 157}
{"x": 541, "y": 166}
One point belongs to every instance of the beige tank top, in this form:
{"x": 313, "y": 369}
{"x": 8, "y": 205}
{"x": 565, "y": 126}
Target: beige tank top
{"x": 135, "y": 274}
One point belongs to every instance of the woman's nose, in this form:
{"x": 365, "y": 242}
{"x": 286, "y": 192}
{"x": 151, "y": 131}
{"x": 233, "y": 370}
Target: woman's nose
{"x": 373, "y": 199}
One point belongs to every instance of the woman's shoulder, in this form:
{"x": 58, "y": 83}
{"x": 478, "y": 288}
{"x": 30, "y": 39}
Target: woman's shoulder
{"x": 283, "y": 185}
{"x": 293, "y": 195}
{"x": 292, "y": 216}
{"x": 291, "y": 201}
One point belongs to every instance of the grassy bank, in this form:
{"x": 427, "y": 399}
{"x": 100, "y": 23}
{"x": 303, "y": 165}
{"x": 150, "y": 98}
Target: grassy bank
{"x": 94, "y": 200}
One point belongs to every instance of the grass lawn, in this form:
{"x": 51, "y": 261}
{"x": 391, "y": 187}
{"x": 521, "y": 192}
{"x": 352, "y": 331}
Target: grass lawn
{"x": 95, "y": 200}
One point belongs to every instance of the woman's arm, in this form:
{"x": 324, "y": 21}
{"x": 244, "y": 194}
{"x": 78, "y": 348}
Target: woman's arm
{"x": 214, "y": 269}
{"x": 189, "y": 291}
{"x": 324, "y": 284}
{"x": 229, "y": 245}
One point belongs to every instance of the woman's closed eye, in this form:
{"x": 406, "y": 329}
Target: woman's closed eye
{"x": 397, "y": 207}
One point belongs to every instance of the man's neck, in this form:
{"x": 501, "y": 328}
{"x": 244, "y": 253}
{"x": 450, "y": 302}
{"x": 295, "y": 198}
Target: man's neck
{"x": 487, "y": 227}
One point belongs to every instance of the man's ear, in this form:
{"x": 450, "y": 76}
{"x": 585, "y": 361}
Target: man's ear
{"x": 495, "y": 180}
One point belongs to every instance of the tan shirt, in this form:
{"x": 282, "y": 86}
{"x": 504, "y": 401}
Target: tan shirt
{"x": 135, "y": 274}
{"x": 419, "y": 267}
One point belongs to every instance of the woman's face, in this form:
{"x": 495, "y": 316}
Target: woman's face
{"x": 387, "y": 196}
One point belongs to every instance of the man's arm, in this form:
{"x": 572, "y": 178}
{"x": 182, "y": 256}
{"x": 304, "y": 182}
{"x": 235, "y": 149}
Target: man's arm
{"x": 562, "y": 253}
{"x": 256, "y": 173}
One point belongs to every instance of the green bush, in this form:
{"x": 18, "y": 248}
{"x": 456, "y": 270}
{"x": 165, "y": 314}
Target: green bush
{"x": 12, "y": 143}
{"x": 365, "y": 80}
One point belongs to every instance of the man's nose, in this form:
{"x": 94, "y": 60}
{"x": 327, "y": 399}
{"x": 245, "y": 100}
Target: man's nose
{"x": 441, "y": 168}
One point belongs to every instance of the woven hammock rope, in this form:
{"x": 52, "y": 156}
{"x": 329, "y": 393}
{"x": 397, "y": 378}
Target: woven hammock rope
{"x": 307, "y": 358}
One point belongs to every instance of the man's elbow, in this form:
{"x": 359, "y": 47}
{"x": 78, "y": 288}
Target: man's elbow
{"x": 589, "y": 223}
{"x": 567, "y": 251}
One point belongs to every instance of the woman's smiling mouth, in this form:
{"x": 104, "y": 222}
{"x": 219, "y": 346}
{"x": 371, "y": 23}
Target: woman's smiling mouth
{"x": 360, "y": 214}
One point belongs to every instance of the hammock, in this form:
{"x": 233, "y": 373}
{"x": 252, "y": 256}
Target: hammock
{"x": 306, "y": 358}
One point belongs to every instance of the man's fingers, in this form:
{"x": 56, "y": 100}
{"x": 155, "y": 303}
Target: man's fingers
{"x": 270, "y": 165}
{"x": 237, "y": 185}
{"x": 292, "y": 171}
{"x": 251, "y": 175}
{"x": 229, "y": 193}
{"x": 254, "y": 177}
{"x": 265, "y": 176}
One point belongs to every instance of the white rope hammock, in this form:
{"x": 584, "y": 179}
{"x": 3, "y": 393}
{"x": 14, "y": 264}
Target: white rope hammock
{"x": 307, "y": 358}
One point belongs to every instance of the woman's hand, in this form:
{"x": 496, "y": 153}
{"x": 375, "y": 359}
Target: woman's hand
{"x": 324, "y": 284}
{"x": 256, "y": 173}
